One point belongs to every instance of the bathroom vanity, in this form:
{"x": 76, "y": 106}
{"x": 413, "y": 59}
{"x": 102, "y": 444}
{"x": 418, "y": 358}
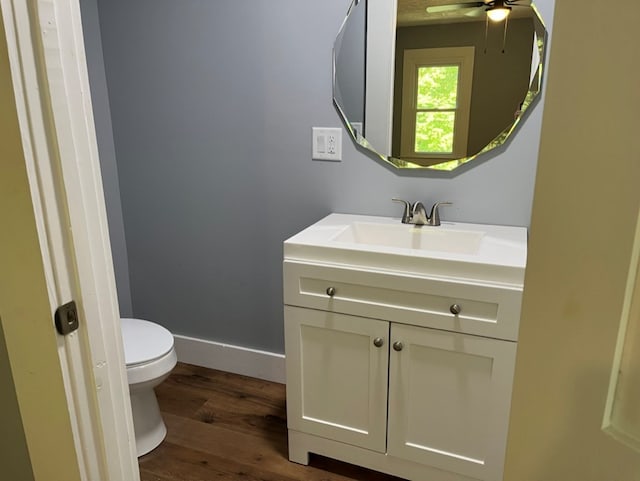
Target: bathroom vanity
{"x": 400, "y": 344}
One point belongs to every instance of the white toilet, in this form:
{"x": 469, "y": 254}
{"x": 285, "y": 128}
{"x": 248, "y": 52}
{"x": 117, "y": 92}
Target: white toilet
{"x": 150, "y": 357}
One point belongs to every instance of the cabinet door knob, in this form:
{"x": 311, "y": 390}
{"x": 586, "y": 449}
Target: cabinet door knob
{"x": 397, "y": 346}
{"x": 331, "y": 291}
{"x": 455, "y": 309}
{"x": 378, "y": 342}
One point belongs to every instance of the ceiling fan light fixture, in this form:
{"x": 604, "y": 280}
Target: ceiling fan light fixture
{"x": 498, "y": 13}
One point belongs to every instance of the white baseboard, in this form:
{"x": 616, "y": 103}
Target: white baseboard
{"x": 225, "y": 357}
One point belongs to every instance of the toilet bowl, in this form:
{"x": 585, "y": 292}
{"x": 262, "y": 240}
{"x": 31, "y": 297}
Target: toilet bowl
{"x": 149, "y": 357}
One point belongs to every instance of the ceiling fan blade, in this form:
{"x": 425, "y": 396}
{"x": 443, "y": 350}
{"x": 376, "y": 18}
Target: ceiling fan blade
{"x": 474, "y": 12}
{"x": 454, "y": 7}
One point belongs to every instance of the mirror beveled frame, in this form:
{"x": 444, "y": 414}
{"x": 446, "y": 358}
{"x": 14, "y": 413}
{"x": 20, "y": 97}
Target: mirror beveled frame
{"x": 380, "y": 30}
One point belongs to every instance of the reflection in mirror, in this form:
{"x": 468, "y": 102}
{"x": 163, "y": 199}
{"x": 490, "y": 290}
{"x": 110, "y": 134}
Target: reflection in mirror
{"x": 349, "y": 65}
{"x": 456, "y": 83}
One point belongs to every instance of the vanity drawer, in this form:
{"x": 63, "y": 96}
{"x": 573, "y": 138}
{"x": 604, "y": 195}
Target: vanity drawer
{"x": 421, "y": 301}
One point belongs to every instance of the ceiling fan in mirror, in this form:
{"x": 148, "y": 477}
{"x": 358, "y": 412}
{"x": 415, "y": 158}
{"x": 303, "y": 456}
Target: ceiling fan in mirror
{"x": 496, "y": 10}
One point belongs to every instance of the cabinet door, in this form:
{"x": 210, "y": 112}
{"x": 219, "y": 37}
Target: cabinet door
{"x": 337, "y": 376}
{"x": 449, "y": 400}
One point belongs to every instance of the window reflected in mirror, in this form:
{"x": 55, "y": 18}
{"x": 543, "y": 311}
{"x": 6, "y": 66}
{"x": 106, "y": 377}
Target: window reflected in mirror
{"x": 436, "y": 101}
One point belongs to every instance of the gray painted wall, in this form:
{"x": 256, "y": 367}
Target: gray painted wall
{"x": 106, "y": 150}
{"x": 212, "y": 105}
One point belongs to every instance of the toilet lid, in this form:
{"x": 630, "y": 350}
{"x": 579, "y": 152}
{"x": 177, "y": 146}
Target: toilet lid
{"x": 144, "y": 341}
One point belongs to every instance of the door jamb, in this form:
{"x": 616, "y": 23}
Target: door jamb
{"x": 51, "y": 86}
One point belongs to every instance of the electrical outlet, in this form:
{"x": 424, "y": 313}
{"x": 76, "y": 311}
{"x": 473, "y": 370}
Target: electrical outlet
{"x": 326, "y": 144}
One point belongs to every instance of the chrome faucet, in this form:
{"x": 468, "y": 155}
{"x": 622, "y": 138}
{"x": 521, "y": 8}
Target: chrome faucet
{"x": 416, "y": 214}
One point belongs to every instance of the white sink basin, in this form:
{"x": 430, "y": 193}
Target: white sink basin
{"x": 488, "y": 253}
{"x": 405, "y": 236}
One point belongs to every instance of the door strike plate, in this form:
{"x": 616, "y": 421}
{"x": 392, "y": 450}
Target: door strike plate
{"x": 66, "y": 318}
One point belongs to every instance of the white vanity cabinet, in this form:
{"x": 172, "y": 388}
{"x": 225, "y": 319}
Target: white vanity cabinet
{"x": 402, "y": 372}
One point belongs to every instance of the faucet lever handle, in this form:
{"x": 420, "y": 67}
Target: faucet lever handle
{"x": 434, "y": 217}
{"x": 406, "y": 214}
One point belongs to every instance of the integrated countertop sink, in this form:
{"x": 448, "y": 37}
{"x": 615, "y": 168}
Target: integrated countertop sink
{"x": 404, "y": 236}
{"x": 470, "y": 251}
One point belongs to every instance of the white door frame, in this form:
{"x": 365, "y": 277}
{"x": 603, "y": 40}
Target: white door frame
{"x": 51, "y": 86}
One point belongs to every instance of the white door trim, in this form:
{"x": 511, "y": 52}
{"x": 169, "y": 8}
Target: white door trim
{"x": 51, "y": 87}
{"x": 381, "y": 22}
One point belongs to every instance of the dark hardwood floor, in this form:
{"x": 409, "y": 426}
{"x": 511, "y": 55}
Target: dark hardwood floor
{"x": 223, "y": 426}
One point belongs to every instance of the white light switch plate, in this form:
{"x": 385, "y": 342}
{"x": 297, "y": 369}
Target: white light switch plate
{"x": 326, "y": 144}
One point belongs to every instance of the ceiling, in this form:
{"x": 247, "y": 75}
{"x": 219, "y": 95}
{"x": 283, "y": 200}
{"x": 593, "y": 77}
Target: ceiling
{"x": 413, "y": 12}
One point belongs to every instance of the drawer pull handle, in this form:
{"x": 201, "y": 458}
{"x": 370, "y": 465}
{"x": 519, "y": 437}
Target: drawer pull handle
{"x": 378, "y": 342}
{"x": 455, "y": 309}
{"x": 397, "y": 346}
{"x": 331, "y": 291}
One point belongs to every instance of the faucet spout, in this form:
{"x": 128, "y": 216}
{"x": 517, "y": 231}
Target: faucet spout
{"x": 419, "y": 214}
{"x": 416, "y": 214}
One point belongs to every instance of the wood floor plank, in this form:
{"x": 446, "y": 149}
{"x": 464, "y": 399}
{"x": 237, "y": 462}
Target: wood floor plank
{"x": 247, "y": 417}
{"x": 224, "y": 426}
{"x": 150, "y": 476}
{"x": 194, "y": 465}
{"x": 249, "y": 450}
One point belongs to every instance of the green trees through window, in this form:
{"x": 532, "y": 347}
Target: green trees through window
{"x": 436, "y": 104}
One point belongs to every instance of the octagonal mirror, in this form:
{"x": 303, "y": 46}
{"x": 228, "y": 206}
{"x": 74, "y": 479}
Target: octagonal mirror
{"x": 435, "y": 84}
